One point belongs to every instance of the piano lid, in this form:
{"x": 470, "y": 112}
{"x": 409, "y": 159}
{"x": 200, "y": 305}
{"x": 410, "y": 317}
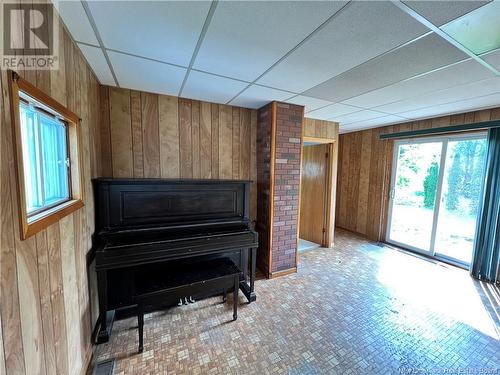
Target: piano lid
{"x": 125, "y": 204}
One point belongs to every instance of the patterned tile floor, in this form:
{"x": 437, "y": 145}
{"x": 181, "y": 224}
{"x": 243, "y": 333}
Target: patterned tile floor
{"x": 355, "y": 309}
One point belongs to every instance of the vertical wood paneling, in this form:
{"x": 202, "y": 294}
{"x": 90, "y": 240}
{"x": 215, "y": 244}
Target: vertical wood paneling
{"x": 9, "y": 308}
{"x": 57, "y": 298}
{"x": 195, "y": 138}
{"x": 364, "y": 172}
{"x": 121, "y": 134}
{"x": 225, "y": 142}
{"x": 137, "y": 147}
{"x": 253, "y": 163}
{"x": 236, "y": 142}
{"x": 244, "y": 141}
{"x": 37, "y": 307}
{"x": 70, "y": 286}
{"x": 364, "y": 175}
{"x": 150, "y": 129}
{"x": 215, "y": 140}
{"x": 185, "y": 142}
{"x": 206, "y": 140}
{"x": 169, "y": 136}
{"x": 105, "y": 133}
{"x": 45, "y": 302}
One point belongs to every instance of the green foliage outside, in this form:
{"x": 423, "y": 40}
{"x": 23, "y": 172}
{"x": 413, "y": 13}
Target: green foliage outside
{"x": 430, "y": 185}
{"x": 466, "y": 175}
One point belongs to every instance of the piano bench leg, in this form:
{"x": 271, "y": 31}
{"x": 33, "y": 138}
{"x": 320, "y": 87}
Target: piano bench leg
{"x": 140, "y": 324}
{"x": 235, "y": 297}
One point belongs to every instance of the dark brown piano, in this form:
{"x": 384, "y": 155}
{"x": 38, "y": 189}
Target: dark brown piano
{"x": 145, "y": 223}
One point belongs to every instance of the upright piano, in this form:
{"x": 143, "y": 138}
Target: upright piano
{"x": 145, "y": 223}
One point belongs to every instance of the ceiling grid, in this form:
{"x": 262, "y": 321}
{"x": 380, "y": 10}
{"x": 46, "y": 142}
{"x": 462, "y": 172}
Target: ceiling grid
{"x": 362, "y": 64}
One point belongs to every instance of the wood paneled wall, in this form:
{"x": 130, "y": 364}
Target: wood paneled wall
{"x": 327, "y": 132}
{"x": 160, "y": 136}
{"x": 365, "y": 164}
{"x": 44, "y": 310}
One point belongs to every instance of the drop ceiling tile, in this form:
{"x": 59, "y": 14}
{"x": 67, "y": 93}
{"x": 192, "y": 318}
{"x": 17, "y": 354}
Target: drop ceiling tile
{"x": 479, "y": 30}
{"x": 162, "y": 30}
{"x": 246, "y": 37}
{"x": 457, "y": 74}
{"x": 473, "y": 104}
{"x": 441, "y": 12}
{"x": 371, "y": 123}
{"x": 362, "y": 115}
{"x": 203, "y": 86}
{"x": 97, "y": 61}
{"x": 332, "y": 111}
{"x": 258, "y": 96}
{"x": 423, "y": 55}
{"x": 361, "y": 31}
{"x": 154, "y": 76}
{"x": 462, "y": 92}
{"x": 309, "y": 103}
{"x": 492, "y": 58}
{"x": 76, "y": 21}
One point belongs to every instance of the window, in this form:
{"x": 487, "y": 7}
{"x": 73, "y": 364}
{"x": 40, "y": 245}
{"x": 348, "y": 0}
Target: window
{"x": 47, "y": 151}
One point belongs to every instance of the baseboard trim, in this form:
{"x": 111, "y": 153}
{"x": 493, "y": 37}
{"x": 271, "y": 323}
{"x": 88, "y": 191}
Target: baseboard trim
{"x": 274, "y": 275}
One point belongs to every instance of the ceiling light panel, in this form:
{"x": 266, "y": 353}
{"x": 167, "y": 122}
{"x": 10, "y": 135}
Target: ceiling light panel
{"x": 97, "y": 61}
{"x": 441, "y": 12}
{"x": 361, "y": 31}
{"x": 258, "y": 96}
{"x": 154, "y": 76}
{"x": 246, "y": 37}
{"x": 76, "y": 21}
{"x": 473, "y": 104}
{"x": 211, "y": 88}
{"x": 478, "y": 31}
{"x": 332, "y": 111}
{"x": 423, "y": 55}
{"x": 309, "y": 103}
{"x": 464, "y": 72}
{"x": 162, "y": 30}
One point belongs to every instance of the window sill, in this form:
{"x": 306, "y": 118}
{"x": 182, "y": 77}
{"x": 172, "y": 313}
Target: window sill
{"x": 41, "y": 221}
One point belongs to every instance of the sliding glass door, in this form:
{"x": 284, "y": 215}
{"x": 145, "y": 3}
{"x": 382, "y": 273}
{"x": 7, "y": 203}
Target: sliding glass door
{"x": 435, "y": 190}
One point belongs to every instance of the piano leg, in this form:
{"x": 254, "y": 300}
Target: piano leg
{"x": 249, "y": 290}
{"x": 102, "y": 286}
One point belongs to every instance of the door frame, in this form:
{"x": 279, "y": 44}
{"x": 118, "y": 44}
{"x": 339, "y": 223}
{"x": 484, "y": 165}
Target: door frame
{"x": 331, "y": 183}
{"x": 445, "y": 139}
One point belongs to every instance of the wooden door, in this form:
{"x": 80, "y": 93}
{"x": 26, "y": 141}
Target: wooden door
{"x": 313, "y": 193}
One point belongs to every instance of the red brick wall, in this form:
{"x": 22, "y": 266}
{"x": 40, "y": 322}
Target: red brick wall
{"x": 264, "y": 127}
{"x": 288, "y": 144}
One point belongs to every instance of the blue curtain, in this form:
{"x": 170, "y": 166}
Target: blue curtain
{"x": 485, "y": 262}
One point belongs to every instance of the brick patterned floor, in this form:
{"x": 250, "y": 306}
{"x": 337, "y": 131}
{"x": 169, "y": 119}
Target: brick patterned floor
{"x": 355, "y": 309}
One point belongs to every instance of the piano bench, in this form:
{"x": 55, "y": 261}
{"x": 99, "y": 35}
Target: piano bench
{"x": 210, "y": 276}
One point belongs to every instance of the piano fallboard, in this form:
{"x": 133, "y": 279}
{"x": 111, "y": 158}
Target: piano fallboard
{"x": 158, "y": 250}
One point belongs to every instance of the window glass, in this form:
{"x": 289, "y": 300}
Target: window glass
{"x": 45, "y": 158}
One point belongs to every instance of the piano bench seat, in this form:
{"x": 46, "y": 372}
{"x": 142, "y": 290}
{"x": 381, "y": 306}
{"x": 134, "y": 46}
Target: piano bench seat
{"x": 199, "y": 277}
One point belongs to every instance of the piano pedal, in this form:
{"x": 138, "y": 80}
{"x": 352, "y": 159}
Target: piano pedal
{"x": 191, "y": 300}
{"x": 180, "y": 302}
{"x": 186, "y": 301}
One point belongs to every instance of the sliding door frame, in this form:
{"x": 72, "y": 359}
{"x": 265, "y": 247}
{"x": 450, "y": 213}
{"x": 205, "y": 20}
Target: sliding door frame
{"x": 444, "y": 139}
